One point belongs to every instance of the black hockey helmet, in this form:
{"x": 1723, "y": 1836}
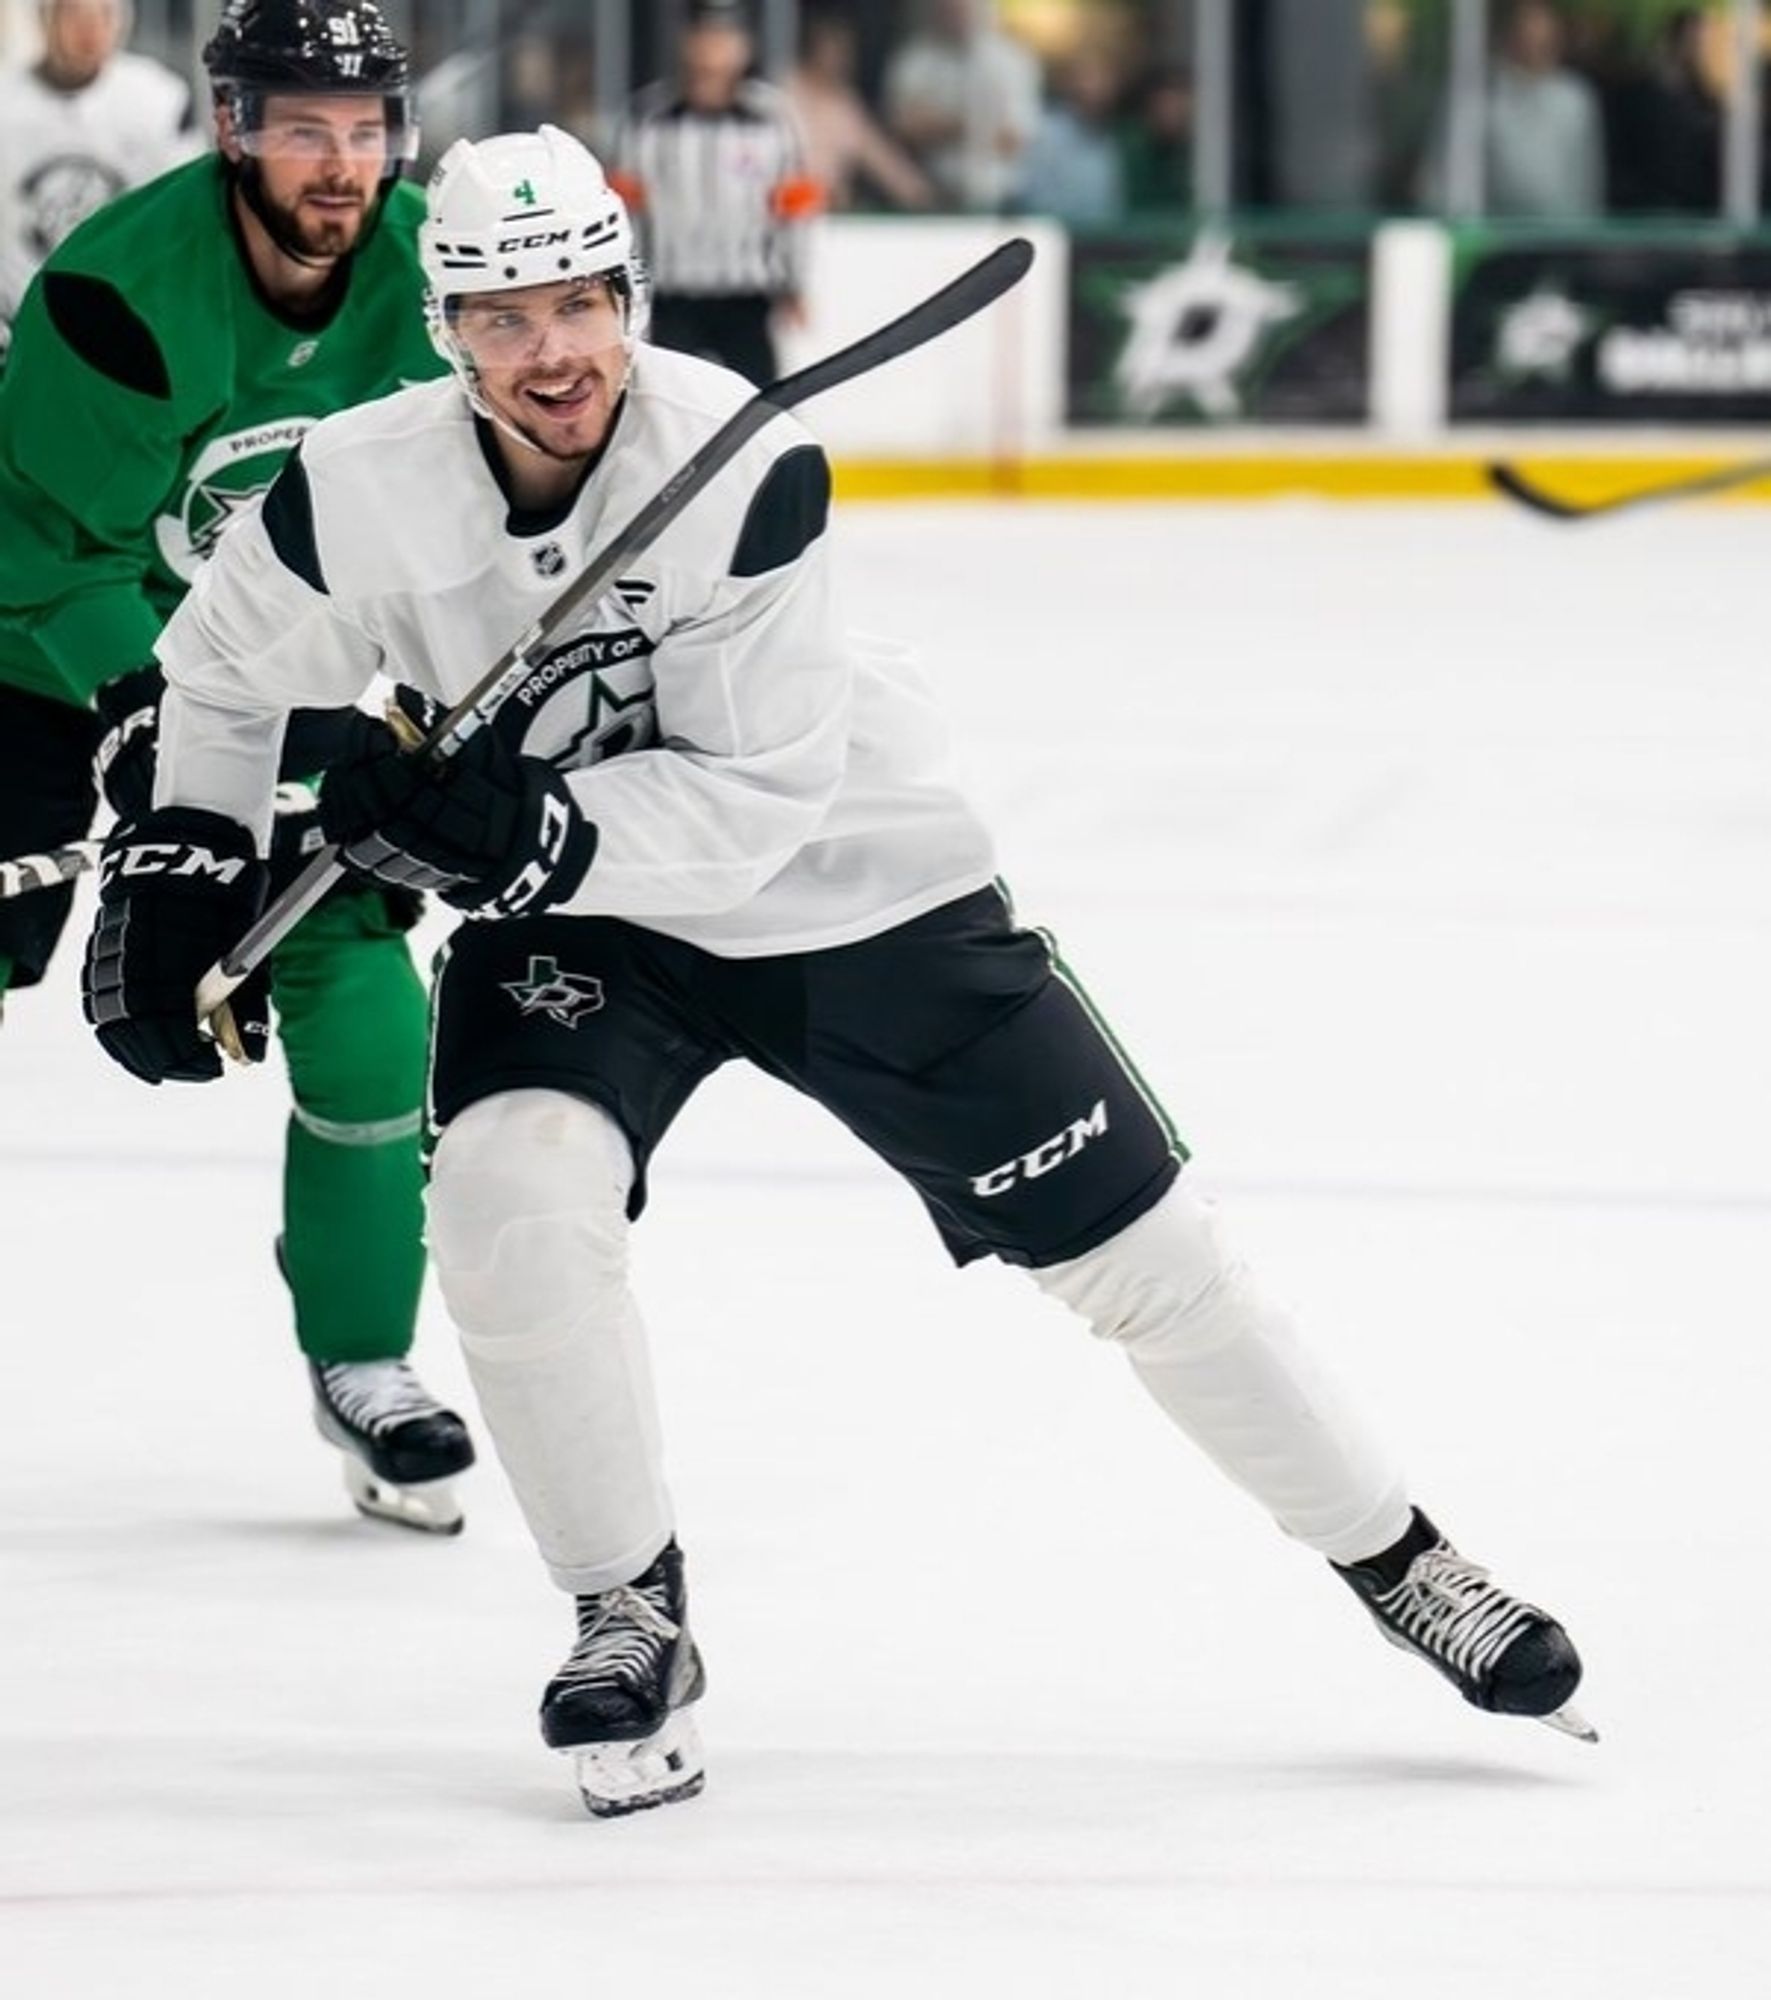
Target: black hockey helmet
{"x": 329, "y": 45}
{"x": 330, "y": 48}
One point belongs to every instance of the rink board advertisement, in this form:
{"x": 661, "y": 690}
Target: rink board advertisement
{"x": 1219, "y": 327}
{"x": 1627, "y": 332}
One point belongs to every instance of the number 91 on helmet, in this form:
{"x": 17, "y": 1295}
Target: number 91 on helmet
{"x": 266, "y": 51}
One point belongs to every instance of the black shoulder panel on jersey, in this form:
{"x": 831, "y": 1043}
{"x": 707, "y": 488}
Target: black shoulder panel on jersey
{"x": 101, "y": 326}
{"x": 289, "y": 521}
{"x": 788, "y": 513}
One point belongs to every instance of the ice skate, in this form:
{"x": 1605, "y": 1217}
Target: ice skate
{"x": 1500, "y": 1654}
{"x": 619, "y": 1705}
{"x": 401, "y": 1448}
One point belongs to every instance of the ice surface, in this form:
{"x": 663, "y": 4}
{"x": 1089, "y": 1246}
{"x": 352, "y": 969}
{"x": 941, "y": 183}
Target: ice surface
{"x": 1423, "y": 859}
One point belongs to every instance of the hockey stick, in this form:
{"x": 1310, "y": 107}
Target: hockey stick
{"x": 26, "y": 873}
{"x": 954, "y": 303}
{"x": 1509, "y": 480}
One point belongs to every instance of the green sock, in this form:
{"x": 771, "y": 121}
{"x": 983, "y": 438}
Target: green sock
{"x": 352, "y": 1247}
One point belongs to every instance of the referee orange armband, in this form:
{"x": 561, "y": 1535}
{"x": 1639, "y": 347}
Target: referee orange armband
{"x": 795, "y": 200}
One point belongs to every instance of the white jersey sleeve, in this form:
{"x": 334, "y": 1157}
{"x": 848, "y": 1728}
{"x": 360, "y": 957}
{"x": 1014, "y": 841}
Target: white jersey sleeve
{"x": 252, "y": 640}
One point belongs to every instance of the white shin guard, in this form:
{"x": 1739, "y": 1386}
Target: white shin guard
{"x": 528, "y": 1232}
{"x": 1227, "y": 1367}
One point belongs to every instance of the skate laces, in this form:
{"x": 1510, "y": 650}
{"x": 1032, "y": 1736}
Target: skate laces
{"x": 1451, "y": 1607}
{"x": 376, "y": 1396}
{"x": 619, "y": 1639}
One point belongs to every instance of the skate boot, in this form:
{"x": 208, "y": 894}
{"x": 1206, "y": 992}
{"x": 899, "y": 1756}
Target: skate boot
{"x": 401, "y": 1448}
{"x": 1499, "y": 1653}
{"x": 619, "y": 1705}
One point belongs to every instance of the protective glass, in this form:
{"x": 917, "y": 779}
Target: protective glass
{"x": 580, "y": 319}
{"x": 315, "y": 130}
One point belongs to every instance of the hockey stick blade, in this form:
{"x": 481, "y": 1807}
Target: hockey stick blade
{"x": 968, "y": 294}
{"x": 24, "y": 874}
{"x": 1508, "y": 479}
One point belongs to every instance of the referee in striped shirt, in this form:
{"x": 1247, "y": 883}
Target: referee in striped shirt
{"x": 713, "y": 167}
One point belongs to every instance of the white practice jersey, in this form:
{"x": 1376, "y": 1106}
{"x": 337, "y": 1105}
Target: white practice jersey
{"x": 761, "y": 780}
{"x": 64, "y": 153}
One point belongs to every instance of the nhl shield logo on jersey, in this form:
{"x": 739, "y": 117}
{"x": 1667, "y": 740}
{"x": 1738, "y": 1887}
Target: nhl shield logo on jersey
{"x": 549, "y": 559}
{"x": 565, "y": 997}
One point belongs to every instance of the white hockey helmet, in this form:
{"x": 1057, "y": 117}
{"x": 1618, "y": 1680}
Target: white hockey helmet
{"x": 525, "y": 208}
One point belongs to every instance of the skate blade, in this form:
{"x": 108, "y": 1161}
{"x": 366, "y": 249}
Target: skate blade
{"x": 430, "y": 1508}
{"x": 615, "y": 1779}
{"x": 1569, "y": 1722}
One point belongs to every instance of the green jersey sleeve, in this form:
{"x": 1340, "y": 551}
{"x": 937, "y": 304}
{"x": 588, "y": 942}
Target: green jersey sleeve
{"x": 90, "y": 440}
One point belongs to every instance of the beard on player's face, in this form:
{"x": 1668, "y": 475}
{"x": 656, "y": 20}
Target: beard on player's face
{"x": 322, "y": 214}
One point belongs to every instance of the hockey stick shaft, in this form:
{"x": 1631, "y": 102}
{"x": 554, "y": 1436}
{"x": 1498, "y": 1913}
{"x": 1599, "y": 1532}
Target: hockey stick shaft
{"x": 24, "y": 874}
{"x": 1513, "y": 483}
{"x": 954, "y": 303}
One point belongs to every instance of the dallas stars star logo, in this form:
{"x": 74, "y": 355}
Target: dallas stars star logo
{"x": 225, "y": 504}
{"x": 565, "y": 997}
{"x": 1195, "y": 327}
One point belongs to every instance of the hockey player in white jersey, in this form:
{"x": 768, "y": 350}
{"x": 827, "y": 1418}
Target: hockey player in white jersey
{"x": 708, "y": 826}
{"x": 85, "y": 121}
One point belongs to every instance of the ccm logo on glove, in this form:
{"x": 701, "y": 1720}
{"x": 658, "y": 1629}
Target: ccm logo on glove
{"x": 158, "y": 857}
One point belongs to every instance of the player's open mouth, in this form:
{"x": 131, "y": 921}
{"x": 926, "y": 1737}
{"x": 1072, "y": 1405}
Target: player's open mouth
{"x": 566, "y": 399}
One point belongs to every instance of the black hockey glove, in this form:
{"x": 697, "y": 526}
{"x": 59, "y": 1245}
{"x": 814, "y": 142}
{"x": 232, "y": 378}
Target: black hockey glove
{"x": 297, "y": 836}
{"x": 177, "y": 888}
{"x": 313, "y": 740}
{"x": 493, "y": 833}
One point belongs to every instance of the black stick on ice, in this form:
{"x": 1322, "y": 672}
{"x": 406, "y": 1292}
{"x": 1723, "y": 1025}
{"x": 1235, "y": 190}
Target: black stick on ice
{"x": 1508, "y": 479}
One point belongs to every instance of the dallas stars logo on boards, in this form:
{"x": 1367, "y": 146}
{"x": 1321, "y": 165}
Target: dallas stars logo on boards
{"x": 1195, "y": 327}
{"x": 565, "y": 997}
{"x": 1539, "y": 335}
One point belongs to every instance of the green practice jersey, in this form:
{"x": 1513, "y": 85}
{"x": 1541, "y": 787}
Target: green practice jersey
{"x": 151, "y": 393}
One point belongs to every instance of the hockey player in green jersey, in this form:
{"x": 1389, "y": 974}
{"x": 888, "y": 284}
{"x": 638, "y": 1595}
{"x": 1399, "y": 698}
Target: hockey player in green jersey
{"x": 166, "y": 359}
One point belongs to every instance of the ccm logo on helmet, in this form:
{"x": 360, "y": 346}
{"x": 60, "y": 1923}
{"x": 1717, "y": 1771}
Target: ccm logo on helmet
{"x": 509, "y": 243}
{"x": 1049, "y": 1153}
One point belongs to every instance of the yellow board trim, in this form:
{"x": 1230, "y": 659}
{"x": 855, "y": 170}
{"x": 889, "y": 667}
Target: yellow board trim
{"x": 1346, "y": 476}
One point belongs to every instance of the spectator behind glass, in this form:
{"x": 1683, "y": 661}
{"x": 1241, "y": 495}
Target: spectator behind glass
{"x": 1546, "y": 148}
{"x": 842, "y": 141}
{"x": 83, "y": 123}
{"x": 1073, "y": 169}
{"x": 1543, "y": 132}
{"x": 1665, "y": 127}
{"x": 1156, "y": 146}
{"x": 964, "y": 98}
